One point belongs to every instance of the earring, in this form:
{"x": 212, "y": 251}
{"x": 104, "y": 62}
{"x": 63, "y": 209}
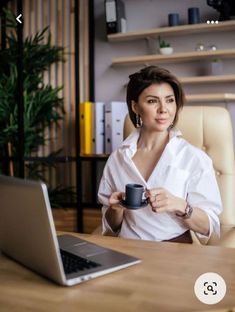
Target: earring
{"x": 139, "y": 121}
{"x": 171, "y": 126}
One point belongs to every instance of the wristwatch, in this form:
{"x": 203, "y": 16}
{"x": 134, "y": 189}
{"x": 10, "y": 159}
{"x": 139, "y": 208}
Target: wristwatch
{"x": 187, "y": 214}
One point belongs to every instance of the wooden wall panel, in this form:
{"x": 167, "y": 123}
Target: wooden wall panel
{"x": 59, "y": 16}
{"x": 84, "y": 50}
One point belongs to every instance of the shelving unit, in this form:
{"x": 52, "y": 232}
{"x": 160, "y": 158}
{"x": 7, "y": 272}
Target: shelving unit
{"x": 172, "y": 31}
{"x": 173, "y": 58}
{"x": 95, "y": 156}
{"x": 182, "y": 56}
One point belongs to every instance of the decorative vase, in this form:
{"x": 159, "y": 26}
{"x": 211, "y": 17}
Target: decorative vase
{"x": 216, "y": 68}
{"x": 193, "y": 16}
{"x": 166, "y": 51}
{"x": 173, "y": 19}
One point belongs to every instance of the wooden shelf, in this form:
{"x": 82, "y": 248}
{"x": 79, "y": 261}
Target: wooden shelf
{"x": 216, "y": 97}
{"x": 98, "y": 156}
{"x": 172, "y": 31}
{"x": 204, "y": 79}
{"x": 175, "y": 57}
{"x": 207, "y": 79}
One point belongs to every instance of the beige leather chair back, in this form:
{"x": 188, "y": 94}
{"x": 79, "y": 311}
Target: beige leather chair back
{"x": 210, "y": 129}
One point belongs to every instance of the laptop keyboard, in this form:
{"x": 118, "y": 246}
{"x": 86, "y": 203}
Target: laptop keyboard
{"x": 73, "y": 263}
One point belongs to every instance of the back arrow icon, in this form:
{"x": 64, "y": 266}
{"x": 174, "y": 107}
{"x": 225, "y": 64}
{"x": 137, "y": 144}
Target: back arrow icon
{"x": 18, "y": 18}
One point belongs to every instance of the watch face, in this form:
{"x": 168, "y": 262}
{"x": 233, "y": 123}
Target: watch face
{"x": 188, "y": 212}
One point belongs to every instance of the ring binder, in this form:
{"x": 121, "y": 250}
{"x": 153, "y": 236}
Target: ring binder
{"x": 115, "y": 16}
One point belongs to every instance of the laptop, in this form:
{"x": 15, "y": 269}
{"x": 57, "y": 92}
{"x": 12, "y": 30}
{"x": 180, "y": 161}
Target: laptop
{"x": 28, "y": 235}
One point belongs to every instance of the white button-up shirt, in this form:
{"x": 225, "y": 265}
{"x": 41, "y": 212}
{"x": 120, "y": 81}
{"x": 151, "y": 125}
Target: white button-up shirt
{"x": 184, "y": 170}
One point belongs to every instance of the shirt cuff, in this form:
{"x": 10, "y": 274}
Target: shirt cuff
{"x": 213, "y": 228}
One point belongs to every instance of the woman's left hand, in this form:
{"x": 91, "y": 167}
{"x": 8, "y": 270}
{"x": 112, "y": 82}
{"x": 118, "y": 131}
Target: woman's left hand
{"x": 162, "y": 200}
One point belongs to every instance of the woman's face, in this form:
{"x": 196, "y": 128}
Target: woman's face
{"x": 156, "y": 106}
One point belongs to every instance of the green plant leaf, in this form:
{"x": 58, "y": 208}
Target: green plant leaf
{"x": 43, "y": 105}
{"x": 163, "y": 43}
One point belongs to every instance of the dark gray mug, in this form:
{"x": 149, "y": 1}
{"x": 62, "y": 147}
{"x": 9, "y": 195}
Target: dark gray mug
{"x": 134, "y": 194}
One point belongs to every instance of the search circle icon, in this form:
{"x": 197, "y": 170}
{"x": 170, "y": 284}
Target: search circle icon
{"x": 210, "y": 288}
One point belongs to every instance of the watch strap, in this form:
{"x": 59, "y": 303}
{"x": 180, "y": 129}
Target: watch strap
{"x": 187, "y": 214}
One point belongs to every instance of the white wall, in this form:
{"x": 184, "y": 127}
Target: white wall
{"x": 147, "y": 14}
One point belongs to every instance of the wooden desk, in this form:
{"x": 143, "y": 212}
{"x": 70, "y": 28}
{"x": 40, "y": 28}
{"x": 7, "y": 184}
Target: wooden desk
{"x": 163, "y": 282}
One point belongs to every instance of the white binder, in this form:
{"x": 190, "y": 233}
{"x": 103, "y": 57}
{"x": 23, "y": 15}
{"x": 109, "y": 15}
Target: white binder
{"x": 115, "y": 113}
{"x": 98, "y": 128}
{"x": 108, "y": 123}
{"x": 115, "y": 16}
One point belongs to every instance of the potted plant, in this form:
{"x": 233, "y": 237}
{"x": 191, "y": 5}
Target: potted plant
{"x": 43, "y": 105}
{"x": 164, "y": 47}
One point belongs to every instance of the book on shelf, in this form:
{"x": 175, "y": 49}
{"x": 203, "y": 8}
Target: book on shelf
{"x": 115, "y": 16}
{"x": 115, "y": 113}
{"x": 85, "y": 123}
{"x": 98, "y": 128}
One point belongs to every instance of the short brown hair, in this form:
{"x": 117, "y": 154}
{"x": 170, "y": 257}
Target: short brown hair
{"x": 148, "y": 76}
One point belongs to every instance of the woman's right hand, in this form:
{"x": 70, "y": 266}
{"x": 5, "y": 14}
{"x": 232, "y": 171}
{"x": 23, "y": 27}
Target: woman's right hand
{"x": 114, "y": 200}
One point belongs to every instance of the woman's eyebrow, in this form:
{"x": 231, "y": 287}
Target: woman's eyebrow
{"x": 154, "y": 96}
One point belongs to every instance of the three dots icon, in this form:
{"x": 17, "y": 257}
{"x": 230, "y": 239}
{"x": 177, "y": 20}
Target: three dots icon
{"x": 212, "y": 22}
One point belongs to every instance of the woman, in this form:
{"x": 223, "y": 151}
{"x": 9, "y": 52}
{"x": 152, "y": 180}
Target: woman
{"x": 179, "y": 178}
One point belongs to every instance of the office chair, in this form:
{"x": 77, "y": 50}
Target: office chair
{"x": 210, "y": 129}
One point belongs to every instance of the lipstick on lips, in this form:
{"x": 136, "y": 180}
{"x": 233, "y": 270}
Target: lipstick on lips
{"x": 162, "y": 120}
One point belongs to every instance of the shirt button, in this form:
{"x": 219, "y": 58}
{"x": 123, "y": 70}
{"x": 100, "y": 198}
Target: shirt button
{"x": 203, "y": 148}
{"x": 218, "y": 173}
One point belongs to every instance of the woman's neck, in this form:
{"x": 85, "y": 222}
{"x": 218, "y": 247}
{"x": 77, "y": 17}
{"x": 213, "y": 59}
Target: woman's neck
{"x": 149, "y": 141}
